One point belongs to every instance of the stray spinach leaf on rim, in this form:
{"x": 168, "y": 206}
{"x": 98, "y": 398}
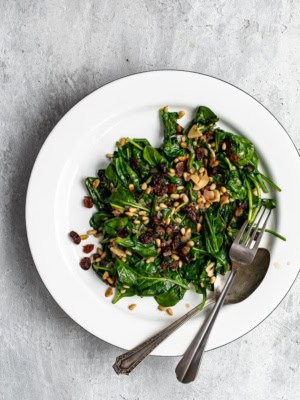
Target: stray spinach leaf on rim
{"x": 167, "y": 216}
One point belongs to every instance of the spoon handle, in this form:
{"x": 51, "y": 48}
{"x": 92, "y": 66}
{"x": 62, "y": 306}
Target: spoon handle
{"x": 125, "y": 363}
{"x": 187, "y": 368}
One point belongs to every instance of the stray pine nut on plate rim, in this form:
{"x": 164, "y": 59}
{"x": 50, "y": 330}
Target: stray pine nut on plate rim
{"x": 81, "y": 140}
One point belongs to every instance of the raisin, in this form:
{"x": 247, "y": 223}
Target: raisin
{"x": 172, "y": 188}
{"x": 240, "y": 209}
{"x": 88, "y": 202}
{"x": 167, "y": 251}
{"x": 234, "y": 158}
{"x": 75, "y": 237}
{"x": 160, "y": 230}
{"x": 179, "y": 168}
{"x": 134, "y": 163}
{"x": 160, "y": 190}
{"x": 88, "y": 248}
{"x": 85, "y": 263}
{"x": 209, "y": 135}
{"x": 123, "y": 233}
{"x": 201, "y": 153}
{"x": 191, "y": 212}
{"x": 174, "y": 264}
{"x": 176, "y": 242}
{"x": 163, "y": 168}
{"x": 147, "y": 238}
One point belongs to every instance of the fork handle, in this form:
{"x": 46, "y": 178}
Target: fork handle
{"x": 187, "y": 368}
{"x": 127, "y": 362}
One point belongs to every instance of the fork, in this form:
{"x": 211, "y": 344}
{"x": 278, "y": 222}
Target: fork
{"x": 242, "y": 253}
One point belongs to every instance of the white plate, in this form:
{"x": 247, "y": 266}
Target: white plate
{"x": 76, "y": 148}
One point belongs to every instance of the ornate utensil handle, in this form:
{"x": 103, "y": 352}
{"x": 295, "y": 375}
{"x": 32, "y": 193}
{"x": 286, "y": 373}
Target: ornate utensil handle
{"x": 125, "y": 363}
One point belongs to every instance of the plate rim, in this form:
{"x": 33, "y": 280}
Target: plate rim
{"x": 72, "y": 109}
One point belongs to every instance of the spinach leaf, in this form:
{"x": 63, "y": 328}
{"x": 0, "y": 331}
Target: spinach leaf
{"x": 112, "y": 226}
{"x": 234, "y": 185}
{"x": 123, "y": 197}
{"x": 98, "y": 218}
{"x": 205, "y": 116}
{"x": 144, "y": 250}
{"x": 153, "y": 157}
{"x": 111, "y": 175}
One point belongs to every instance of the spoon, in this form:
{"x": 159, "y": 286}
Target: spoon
{"x": 246, "y": 282}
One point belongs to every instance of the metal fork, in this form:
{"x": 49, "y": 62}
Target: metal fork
{"x": 242, "y": 253}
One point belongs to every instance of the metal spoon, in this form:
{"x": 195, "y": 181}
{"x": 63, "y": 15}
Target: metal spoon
{"x": 246, "y": 282}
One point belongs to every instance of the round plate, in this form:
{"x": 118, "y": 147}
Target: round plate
{"x": 76, "y": 148}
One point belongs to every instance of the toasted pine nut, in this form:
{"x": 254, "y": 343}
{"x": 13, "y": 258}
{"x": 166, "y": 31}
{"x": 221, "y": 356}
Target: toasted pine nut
{"x": 109, "y": 155}
{"x": 223, "y": 189}
{"x": 212, "y": 279}
{"x": 170, "y": 311}
{"x": 212, "y": 186}
{"x": 91, "y": 232}
{"x": 109, "y": 292}
{"x": 96, "y": 183}
{"x": 185, "y": 198}
{"x": 105, "y": 275}
{"x": 142, "y": 212}
{"x": 162, "y": 205}
{"x": 183, "y": 145}
{"x": 132, "y": 307}
{"x": 180, "y": 188}
{"x": 149, "y": 190}
{"x": 132, "y": 209}
{"x": 158, "y": 242}
{"x": 181, "y": 114}
{"x": 180, "y": 264}
{"x": 83, "y": 237}
{"x": 183, "y": 139}
{"x": 122, "y": 291}
{"x": 168, "y": 220}
{"x": 123, "y": 141}
{"x": 198, "y": 227}
{"x": 178, "y": 220}
{"x": 176, "y": 204}
{"x": 144, "y": 186}
{"x": 131, "y": 187}
{"x": 191, "y": 243}
{"x": 182, "y": 231}
{"x": 137, "y": 221}
{"x": 175, "y": 257}
{"x": 161, "y": 308}
{"x": 166, "y": 109}
{"x": 224, "y": 146}
{"x": 128, "y": 252}
{"x": 175, "y": 196}
{"x": 150, "y": 260}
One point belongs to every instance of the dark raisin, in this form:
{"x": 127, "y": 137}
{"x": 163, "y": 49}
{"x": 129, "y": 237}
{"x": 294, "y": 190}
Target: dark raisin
{"x": 88, "y": 248}
{"x": 184, "y": 258}
{"x": 179, "y": 168}
{"x": 184, "y": 250}
{"x": 240, "y": 209}
{"x": 134, "y": 163}
{"x": 191, "y": 212}
{"x": 228, "y": 145}
{"x": 85, "y": 263}
{"x": 201, "y": 153}
{"x": 167, "y": 252}
{"x": 176, "y": 242}
{"x": 172, "y": 188}
{"x": 75, "y": 237}
{"x": 163, "y": 168}
{"x": 147, "y": 238}
{"x": 174, "y": 264}
{"x": 88, "y": 202}
{"x": 234, "y": 158}
{"x": 157, "y": 179}
{"x": 123, "y": 233}
{"x": 209, "y": 135}
{"x": 160, "y": 190}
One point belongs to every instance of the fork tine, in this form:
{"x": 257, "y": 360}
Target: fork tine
{"x": 255, "y": 247}
{"x": 256, "y": 227}
{"x": 241, "y": 231}
{"x": 248, "y": 233}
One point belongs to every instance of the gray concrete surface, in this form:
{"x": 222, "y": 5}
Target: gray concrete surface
{"x": 52, "y": 54}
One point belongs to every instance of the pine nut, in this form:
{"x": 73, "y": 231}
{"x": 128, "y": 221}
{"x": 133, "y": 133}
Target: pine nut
{"x": 144, "y": 186}
{"x": 91, "y": 232}
{"x": 212, "y": 279}
{"x": 137, "y": 221}
{"x": 168, "y": 220}
{"x": 175, "y": 257}
{"x": 166, "y": 109}
{"x": 180, "y": 264}
{"x": 148, "y": 190}
{"x": 142, "y": 212}
{"x": 191, "y": 243}
{"x": 183, "y": 139}
{"x": 109, "y": 155}
{"x": 109, "y": 292}
{"x": 132, "y": 209}
{"x": 170, "y": 311}
{"x": 185, "y": 198}
{"x": 83, "y": 237}
{"x": 182, "y": 231}
{"x": 123, "y": 142}
{"x": 161, "y": 308}
{"x": 175, "y": 196}
{"x": 150, "y": 260}
{"x": 223, "y": 189}
{"x": 183, "y": 145}
{"x": 178, "y": 220}
{"x": 131, "y": 187}
{"x": 122, "y": 291}
{"x": 198, "y": 227}
{"x": 181, "y": 114}
{"x": 162, "y": 205}
{"x": 213, "y": 186}
{"x": 132, "y": 307}
{"x": 158, "y": 242}
{"x": 96, "y": 183}
{"x": 105, "y": 275}
{"x": 224, "y": 146}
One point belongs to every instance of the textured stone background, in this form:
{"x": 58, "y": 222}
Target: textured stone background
{"x": 52, "y": 54}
